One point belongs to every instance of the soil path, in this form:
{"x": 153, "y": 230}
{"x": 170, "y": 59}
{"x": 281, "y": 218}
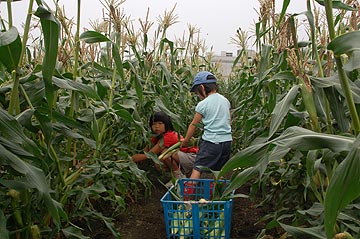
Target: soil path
{"x": 145, "y": 219}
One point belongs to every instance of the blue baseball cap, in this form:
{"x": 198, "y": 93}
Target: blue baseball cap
{"x": 203, "y": 77}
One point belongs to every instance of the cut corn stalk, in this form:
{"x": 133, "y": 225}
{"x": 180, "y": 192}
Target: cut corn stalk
{"x": 71, "y": 178}
{"x": 175, "y": 223}
{"x": 218, "y": 226}
{"x": 186, "y": 227}
{"x": 172, "y": 149}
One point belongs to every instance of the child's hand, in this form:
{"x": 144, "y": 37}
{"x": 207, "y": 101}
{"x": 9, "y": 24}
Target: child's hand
{"x": 184, "y": 144}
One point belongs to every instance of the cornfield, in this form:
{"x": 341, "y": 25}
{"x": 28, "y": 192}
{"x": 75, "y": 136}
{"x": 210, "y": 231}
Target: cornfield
{"x": 75, "y": 105}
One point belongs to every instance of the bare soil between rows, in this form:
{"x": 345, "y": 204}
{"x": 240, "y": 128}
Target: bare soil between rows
{"x": 145, "y": 219}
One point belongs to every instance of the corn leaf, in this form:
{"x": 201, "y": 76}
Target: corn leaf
{"x": 344, "y": 187}
{"x": 4, "y": 233}
{"x": 73, "y": 232}
{"x": 11, "y": 129}
{"x": 292, "y": 138}
{"x": 281, "y": 109}
{"x": 334, "y": 81}
{"x": 354, "y": 61}
{"x": 337, "y": 4}
{"x": 298, "y": 232}
{"x": 93, "y": 37}
{"x": 345, "y": 43}
{"x": 33, "y": 178}
{"x": 51, "y": 31}
{"x": 283, "y": 11}
{"x": 125, "y": 115}
{"x": 76, "y": 86}
{"x": 118, "y": 61}
{"x": 10, "y": 49}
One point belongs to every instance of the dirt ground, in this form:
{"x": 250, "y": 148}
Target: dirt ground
{"x": 145, "y": 219}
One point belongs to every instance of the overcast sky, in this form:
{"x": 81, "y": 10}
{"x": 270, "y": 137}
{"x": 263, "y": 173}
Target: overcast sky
{"x": 217, "y": 20}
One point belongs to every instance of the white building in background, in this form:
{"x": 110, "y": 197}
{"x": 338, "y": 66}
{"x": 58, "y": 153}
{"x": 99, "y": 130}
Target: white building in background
{"x": 226, "y": 61}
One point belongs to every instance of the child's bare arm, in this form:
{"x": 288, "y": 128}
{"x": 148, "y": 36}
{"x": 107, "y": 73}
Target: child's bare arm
{"x": 156, "y": 149}
{"x": 191, "y": 129}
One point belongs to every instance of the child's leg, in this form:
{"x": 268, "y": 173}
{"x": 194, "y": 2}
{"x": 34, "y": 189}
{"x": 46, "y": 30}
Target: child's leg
{"x": 195, "y": 174}
{"x": 186, "y": 162}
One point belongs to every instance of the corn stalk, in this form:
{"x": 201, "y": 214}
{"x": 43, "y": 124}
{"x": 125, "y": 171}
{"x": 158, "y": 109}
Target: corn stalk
{"x": 341, "y": 71}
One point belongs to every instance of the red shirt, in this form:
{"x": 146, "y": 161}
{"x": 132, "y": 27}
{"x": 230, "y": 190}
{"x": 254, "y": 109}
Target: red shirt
{"x": 171, "y": 138}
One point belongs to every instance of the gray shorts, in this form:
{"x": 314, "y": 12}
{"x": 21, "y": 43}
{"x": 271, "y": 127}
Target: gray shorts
{"x": 186, "y": 162}
{"x": 212, "y": 155}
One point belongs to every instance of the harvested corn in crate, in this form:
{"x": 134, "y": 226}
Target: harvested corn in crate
{"x": 192, "y": 210}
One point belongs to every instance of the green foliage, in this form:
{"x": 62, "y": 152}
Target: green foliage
{"x": 70, "y": 121}
{"x": 74, "y": 119}
{"x": 293, "y": 163}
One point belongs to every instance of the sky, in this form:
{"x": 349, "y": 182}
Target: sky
{"x": 217, "y": 20}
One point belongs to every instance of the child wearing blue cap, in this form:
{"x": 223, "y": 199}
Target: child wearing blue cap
{"x": 214, "y": 112}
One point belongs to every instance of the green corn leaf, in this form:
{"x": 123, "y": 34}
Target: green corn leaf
{"x": 125, "y": 115}
{"x": 33, "y": 178}
{"x": 345, "y": 43}
{"x": 93, "y": 37}
{"x": 11, "y": 129}
{"x": 4, "y": 233}
{"x": 299, "y": 232}
{"x": 76, "y": 86}
{"x": 283, "y": 75}
{"x": 334, "y": 81}
{"x": 73, "y": 232}
{"x": 283, "y": 11}
{"x": 337, "y": 4}
{"x": 292, "y": 138}
{"x": 281, "y": 109}
{"x": 354, "y": 61}
{"x": 51, "y": 31}
{"x": 118, "y": 61}
{"x": 344, "y": 187}
{"x": 10, "y": 49}
{"x": 338, "y": 109}
{"x": 61, "y": 128}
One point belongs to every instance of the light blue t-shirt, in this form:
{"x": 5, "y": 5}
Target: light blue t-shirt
{"x": 215, "y": 111}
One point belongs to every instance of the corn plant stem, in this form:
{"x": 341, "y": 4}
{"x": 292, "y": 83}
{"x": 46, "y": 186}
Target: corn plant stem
{"x": 341, "y": 72}
{"x": 28, "y": 213}
{"x": 75, "y": 74}
{"x": 100, "y": 137}
{"x": 112, "y": 89}
{"x": 306, "y": 88}
{"x": 76, "y": 57}
{"x": 348, "y": 95}
{"x": 326, "y": 101}
{"x": 26, "y": 31}
{"x": 57, "y": 162}
{"x": 26, "y": 97}
{"x": 14, "y": 101}
{"x": 320, "y": 72}
{"x": 14, "y": 105}
{"x": 9, "y": 13}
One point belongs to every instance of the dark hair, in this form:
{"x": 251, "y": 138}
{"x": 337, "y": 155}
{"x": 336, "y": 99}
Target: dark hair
{"x": 162, "y": 117}
{"x": 208, "y": 87}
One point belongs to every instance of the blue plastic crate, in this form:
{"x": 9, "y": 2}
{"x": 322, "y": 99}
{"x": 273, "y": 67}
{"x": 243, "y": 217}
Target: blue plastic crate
{"x": 186, "y": 216}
